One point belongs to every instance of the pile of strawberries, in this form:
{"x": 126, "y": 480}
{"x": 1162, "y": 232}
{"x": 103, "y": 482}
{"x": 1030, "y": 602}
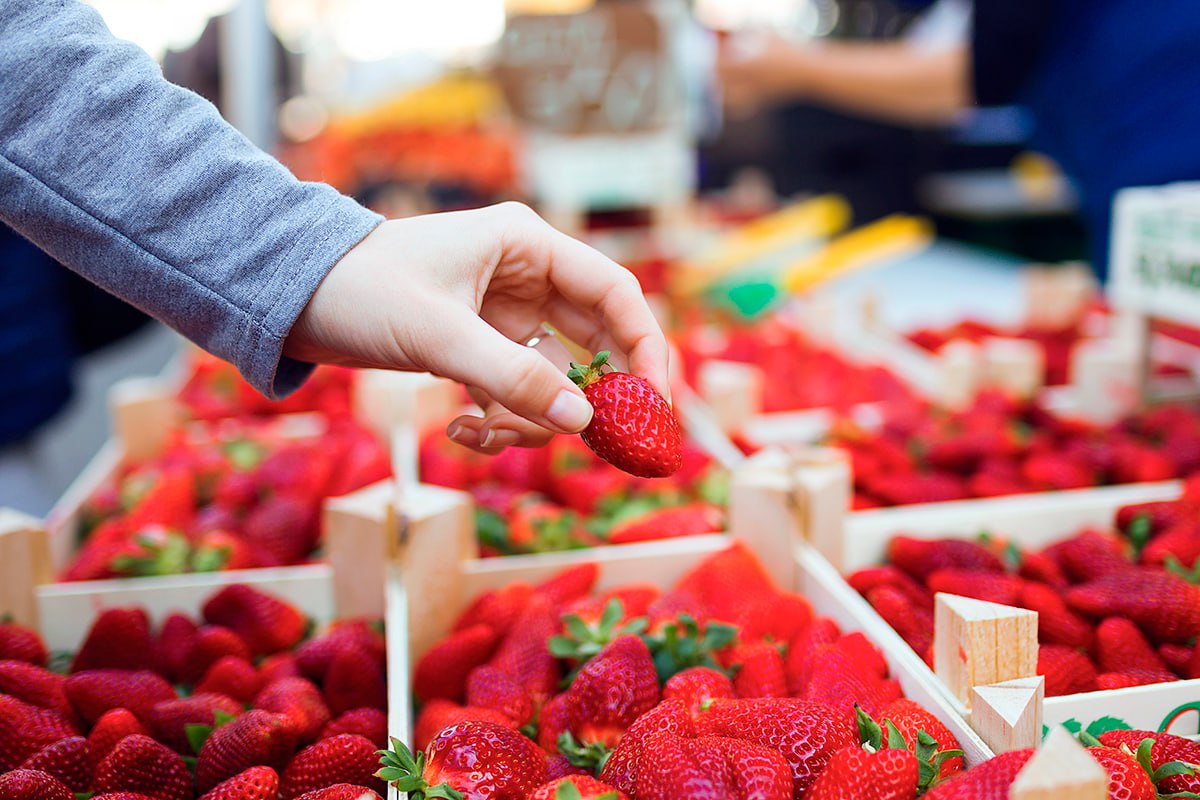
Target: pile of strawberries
{"x": 237, "y": 496}
{"x": 216, "y": 390}
{"x": 999, "y": 446}
{"x": 563, "y": 496}
{"x": 722, "y": 687}
{"x": 240, "y": 705}
{"x": 1057, "y": 343}
{"x": 799, "y": 374}
{"x": 1115, "y": 609}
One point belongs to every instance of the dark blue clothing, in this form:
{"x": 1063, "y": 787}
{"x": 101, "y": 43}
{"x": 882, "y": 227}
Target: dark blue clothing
{"x": 1114, "y": 87}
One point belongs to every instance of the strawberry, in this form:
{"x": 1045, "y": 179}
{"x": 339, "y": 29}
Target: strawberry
{"x": 524, "y": 654}
{"x": 1056, "y": 472}
{"x": 868, "y": 578}
{"x": 911, "y": 719}
{"x": 498, "y": 608}
{"x": 1067, "y": 670}
{"x": 1126, "y": 777}
{"x": 1041, "y": 568}
{"x": 256, "y": 783}
{"x": 857, "y": 773}
{"x": 118, "y": 639}
{"x": 1089, "y": 555}
{"x": 987, "y": 781}
{"x": 298, "y": 700}
{"x": 93, "y": 692}
{"x": 370, "y": 723}
{"x": 621, "y": 767}
{"x": 481, "y": 760}
{"x": 1165, "y": 748}
{"x": 257, "y": 738}
{"x": 67, "y": 760}
{"x": 559, "y": 766}
{"x": 760, "y": 671}
{"x": 823, "y": 631}
{"x": 711, "y": 766}
{"x": 34, "y": 685}
{"x": 1139, "y": 463}
{"x": 1181, "y": 542}
{"x": 577, "y": 787}
{"x": 1176, "y": 657}
{"x": 221, "y": 548}
{"x": 18, "y": 643}
{"x": 1121, "y": 647}
{"x": 914, "y": 623}
{"x": 1156, "y": 516}
{"x": 340, "y": 759}
{"x": 488, "y": 687}
{"x": 807, "y": 734}
{"x": 865, "y": 656}
{"x": 696, "y": 685}
{"x": 914, "y": 488}
{"x": 589, "y": 490}
{"x": 442, "y": 672}
{"x": 994, "y": 587}
{"x": 233, "y": 677}
{"x": 140, "y": 764}
{"x": 279, "y": 666}
{"x": 570, "y": 584}
{"x": 355, "y": 680}
{"x": 1133, "y": 677}
{"x": 1057, "y": 623}
{"x": 775, "y": 619}
{"x": 315, "y": 655}
{"x": 341, "y": 791}
{"x": 31, "y": 784}
{"x": 113, "y": 726}
{"x": 536, "y": 525}
{"x": 1164, "y": 606}
{"x": 691, "y": 519}
{"x": 728, "y": 582}
{"x": 173, "y": 645}
{"x": 920, "y": 557}
{"x": 265, "y": 623}
{"x": 437, "y": 715}
{"x": 835, "y": 679}
{"x": 633, "y": 427}
{"x": 210, "y": 644}
{"x": 168, "y": 720}
{"x": 165, "y": 497}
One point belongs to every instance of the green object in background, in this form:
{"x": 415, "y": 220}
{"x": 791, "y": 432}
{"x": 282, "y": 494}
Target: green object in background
{"x": 752, "y": 299}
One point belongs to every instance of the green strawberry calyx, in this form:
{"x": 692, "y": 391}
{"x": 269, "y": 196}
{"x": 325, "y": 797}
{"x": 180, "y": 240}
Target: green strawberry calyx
{"x": 400, "y": 768}
{"x": 583, "y": 640}
{"x": 585, "y": 376}
{"x": 569, "y": 791}
{"x": 929, "y": 757}
{"x": 591, "y": 756}
{"x": 682, "y": 643}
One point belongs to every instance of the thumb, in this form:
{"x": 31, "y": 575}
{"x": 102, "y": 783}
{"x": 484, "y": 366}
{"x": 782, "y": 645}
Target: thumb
{"x": 515, "y": 376}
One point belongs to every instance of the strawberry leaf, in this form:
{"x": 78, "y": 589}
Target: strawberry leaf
{"x": 1105, "y": 724}
{"x": 197, "y": 734}
{"x": 869, "y": 732}
{"x": 591, "y": 756}
{"x": 1143, "y": 754}
{"x": 895, "y": 739}
{"x": 567, "y": 791}
{"x": 1171, "y": 769}
{"x": 1088, "y": 740}
{"x": 1139, "y": 534}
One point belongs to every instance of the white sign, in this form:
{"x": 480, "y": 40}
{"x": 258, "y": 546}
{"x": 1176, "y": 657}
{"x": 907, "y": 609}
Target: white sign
{"x": 1156, "y": 252}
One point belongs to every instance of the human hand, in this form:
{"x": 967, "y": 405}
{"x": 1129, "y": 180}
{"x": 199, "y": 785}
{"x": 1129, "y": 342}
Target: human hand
{"x": 449, "y": 294}
{"x": 758, "y": 69}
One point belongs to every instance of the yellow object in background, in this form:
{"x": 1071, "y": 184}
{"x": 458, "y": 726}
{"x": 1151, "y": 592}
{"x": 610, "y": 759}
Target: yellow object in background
{"x": 891, "y": 237}
{"x": 1037, "y": 176}
{"x": 454, "y": 101}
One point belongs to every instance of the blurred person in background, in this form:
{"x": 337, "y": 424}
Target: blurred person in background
{"x": 1113, "y": 87}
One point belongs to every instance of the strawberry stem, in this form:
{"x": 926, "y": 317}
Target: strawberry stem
{"x": 584, "y": 376}
{"x": 406, "y": 772}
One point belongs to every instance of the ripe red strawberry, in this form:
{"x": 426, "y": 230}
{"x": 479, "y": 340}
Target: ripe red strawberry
{"x": 1126, "y": 778}
{"x": 498, "y": 609}
{"x": 1164, "y": 606}
{"x": 761, "y": 672}
{"x": 613, "y": 689}
{"x": 823, "y": 631}
{"x": 912, "y": 488}
{"x": 1181, "y": 542}
{"x": 807, "y": 734}
{"x": 1176, "y": 657}
{"x": 140, "y": 764}
{"x": 1089, "y": 555}
{"x": 1166, "y": 748}
{"x": 481, "y": 760}
{"x": 93, "y": 692}
{"x": 1041, "y": 568}
{"x": 536, "y": 525}
{"x": 914, "y": 623}
{"x": 279, "y": 666}
{"x": 26, "y": 729}
{"x": 1133, "y": 677}
{"x": 561, "y": 767}
{"x": 1067, "y": 670}
{"x": 355, "y": 680}
{"x": 524, "y": 655}
{"x": 67, "y": 760}
{"x": 488, "y": 687}
{"x": 919, "y": 557}
{"x": 256, "y": 783}
{"x": 253, "y": 739}
{"x": 728, "y": 582}
{"x": 1121, "y": 647}
{"x": 586, "y": 490}
{"x": 855, "y": 773}
{"x": 910, "y": 718}
{"x": 34, "y": 685}
{"x": 118, "y": 639}
{"x": 586, "y": 788}
{"x": 437, "y": 715}
{"x": 31, "y": 784}
{"x": 994, "y": 587}
{"x": 633, "y": 427}
{"x": 18, "y": 643}
{"x": 233, "y": 677}
{"x": 265, "y": 623}
{"x": 987, "y": 781}
{"x": 315, "y": 655}
{"x": 169, "y": 719}
{"x": 1057, "y": 623}
{"x": 696, "y": 685}
{"x": 621, "y": 768}
{"x": 340, "y": 759}
{"x": 868, "y": 578}
{"x": 113, "y": 726}
{"x": 711, "y": 766}
{"x": 834, "y": 678}
{"x": 300, "y": 701}
{"x": 691, "y": 519}
{"x": 1159, "y": 515}
{"x": 164, "y": 497}
{"x": 1056, "y": 472}
{"x": 774, "y": 619}
{"x": 442, "y": 672}
{"x": 341, "y": 791}
{"x": 210, "y": 644}
{"x": 283, "y": 527}
{"x": 569, "y": 585}
{"x": 173, "y": 645}
{"x": 370, "y": 723}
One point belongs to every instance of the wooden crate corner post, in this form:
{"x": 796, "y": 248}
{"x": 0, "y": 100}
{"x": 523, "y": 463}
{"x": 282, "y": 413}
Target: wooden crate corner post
{"x": 824, "y": 485}
{"x": 24, "y": 564}
{"x": 960, "y": 373}
{"x": 1108, "y": 377}
{"x": 732, "y": 390}
{"x": 144, "y": 412}
{"x": 1008, "y": 715}
{"x": 762, "y": 512}
{"x": 1060, "y": 770}
{"x": 977, "y": 643}
{"x": 1015, "y": 366}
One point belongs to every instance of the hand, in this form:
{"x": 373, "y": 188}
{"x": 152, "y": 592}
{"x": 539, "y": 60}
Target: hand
{"x": 449, "y": 294}
{"x": 757, "y": 70}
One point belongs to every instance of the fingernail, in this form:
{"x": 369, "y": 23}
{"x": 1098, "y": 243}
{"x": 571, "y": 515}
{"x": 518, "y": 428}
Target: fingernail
{"x": 499, "y": 437}
{"x": 458, "y": 433}
{"x": 569, "y": 411}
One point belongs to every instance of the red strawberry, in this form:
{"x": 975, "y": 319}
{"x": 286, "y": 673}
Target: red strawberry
{"x": 586, "y": 788}
{"x": 370, "y": 723}
{"x": 775, "y": 619}
{"x": 300, "y": 701}
{"x": 265, "y": 623}
{"x": 340, "y": 759}
{"x": 256, "y": 783}
{"x": 442, "y": 672}
{"x": 253, "y": 739}
{"x": 18, "y": 643}
{"x": 835, "y": 679}
{"x": 913, "y": 623}
{"x": 210, "y": 644}
{"x": 283, "y": 527}
{"x": 823, "y": 631}
{"x": 1067, "y": 670}
{"x": 993, "y": 587}
{"x": 560, "y": 767}
{"x": 910, "y": 718}
{"x": 355, "y": 680}
{"x": 1180, "y": 541}
{"x": 1158, "y": 515}
{"x": 728, "y": 582}
{"x": 31, "y": 784}
{"x": 988, "y": 781}
{"x": 696, "y": 685}
{"x": 864, "y": 654}
{"x": 1121, "y": 647}
{"x": 586, "y": 490}
{"x": 233, "y": 677}
{"x": 1133, "y": 677}
{"x": 1166, "y": 748}
{"x": 118, "y": 639}
{"x": 761, "y": 672}
{"x": 67, "y": 760}
{"x": 711, "y": 767}
{"x": 437, "y": 715}
{"x": 34, "y": 685}
{"x": 488, "y": 687}
{"x": 1126, "y": 778}
{"x": 159, "y": 497}
{"x": 96, "y": 691}
{"x": 868, "y": 578}
{"x": 524, "y": 655}
{"x": 315, "y": 655}
{"x": 113, "y": 726}
{"x": 498, "y": 609}
{"x": 855, "y": 773}
{"x": 901, "y": 489}
{"x": 1138, "y": 463}
{"x": 621, "y": 768}
{"x": 174, "y": 644}
{"x": 807, "y": 734}
{"x": 633, "y": 427}
{"x": 1089, "y": 555}
{"x": 919, "y": 557}
{"x": 169, "y": 719}
{"x": 1056, "y": 472}
{"x": 481, "y": 760}
{"x": 1041, "y": 568}
{"x": 1164, "y": 606}
{"x": 668, "y": 523}
{"x": 26, "y": 729}
{"x": 535, "y": 525}
{"x": 140, "y": 764}
{"x": 279, "y": 666}
{"x": 341, "y": 791}
{"x": 570, "y": 584}
{"x": 1176, "y": 657}
{"x": 1057, "y": 623}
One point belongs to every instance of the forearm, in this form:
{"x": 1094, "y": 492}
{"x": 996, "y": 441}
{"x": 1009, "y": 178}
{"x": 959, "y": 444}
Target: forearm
{"x": 142, "y": 188}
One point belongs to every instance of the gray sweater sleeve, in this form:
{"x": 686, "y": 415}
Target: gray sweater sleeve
{"x": 141, "y": 187}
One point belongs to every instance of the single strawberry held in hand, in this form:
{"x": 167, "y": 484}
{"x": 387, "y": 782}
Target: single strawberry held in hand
{"x": 633, "y": 427}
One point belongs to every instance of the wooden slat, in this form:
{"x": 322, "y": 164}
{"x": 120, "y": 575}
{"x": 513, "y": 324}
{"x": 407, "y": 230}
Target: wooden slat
{"x": 976, "y": 643}
{"x": 1060, "y": 770}
{"x": 24, "y": 564}
{"x": 1008, "y": 715}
